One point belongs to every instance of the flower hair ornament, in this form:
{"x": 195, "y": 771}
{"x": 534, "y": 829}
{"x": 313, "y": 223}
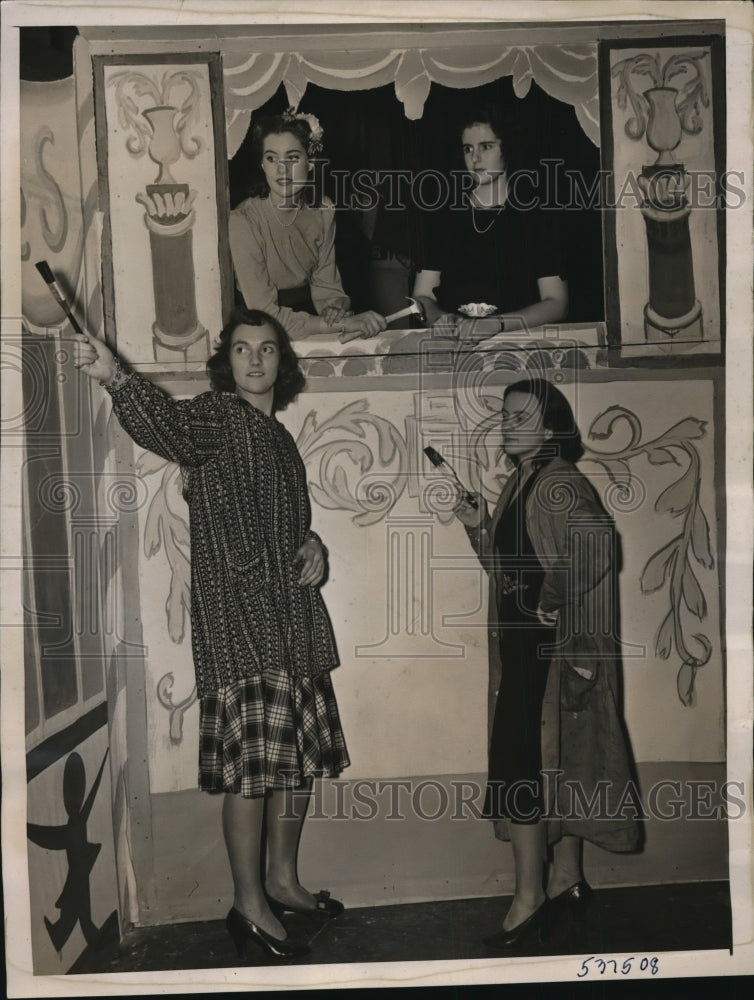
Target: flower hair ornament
{"x": 315, "y": 129}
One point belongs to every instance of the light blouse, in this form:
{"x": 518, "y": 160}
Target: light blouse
{"x": 272, "y": 252}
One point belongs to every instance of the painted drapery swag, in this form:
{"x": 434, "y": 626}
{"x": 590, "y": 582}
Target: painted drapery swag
{"x": 567, "y": 73}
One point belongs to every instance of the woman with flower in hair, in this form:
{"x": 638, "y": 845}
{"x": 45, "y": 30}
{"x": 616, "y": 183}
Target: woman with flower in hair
{"x": 282, "y": 237}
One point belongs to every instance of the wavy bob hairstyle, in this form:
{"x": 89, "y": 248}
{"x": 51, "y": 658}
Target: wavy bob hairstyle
{"x": 557, "y": 416}
{"x": 300, "y": 129}
{"x": 290, "y": 380}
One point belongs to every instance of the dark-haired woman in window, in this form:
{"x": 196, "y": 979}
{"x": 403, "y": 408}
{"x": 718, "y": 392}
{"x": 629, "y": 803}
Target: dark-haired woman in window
{"x": 556, "y": 740}
{"x": 262, "y": 641}
{"x": 282, "y": 237}
{"x": 491, "y": 245}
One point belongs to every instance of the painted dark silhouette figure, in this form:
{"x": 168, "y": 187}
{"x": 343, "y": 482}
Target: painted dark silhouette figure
{"x": 74, "y": 901}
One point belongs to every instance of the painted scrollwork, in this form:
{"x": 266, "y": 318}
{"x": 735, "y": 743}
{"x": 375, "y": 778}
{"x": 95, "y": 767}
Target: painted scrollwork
{"x": 344, "y": 437}
{"x": 340, "y": 444}
{"x": 165, "y": 528}
{"x": 673, "y": 564}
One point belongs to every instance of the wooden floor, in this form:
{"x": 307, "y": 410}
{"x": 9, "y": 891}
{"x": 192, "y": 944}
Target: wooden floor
{"x": 643, "y": 921}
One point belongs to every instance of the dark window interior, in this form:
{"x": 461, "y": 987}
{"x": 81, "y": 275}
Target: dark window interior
{"x": 367, "y": 131}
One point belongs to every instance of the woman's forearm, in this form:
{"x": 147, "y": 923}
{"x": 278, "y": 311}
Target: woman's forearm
{"x": 540, "y": 313}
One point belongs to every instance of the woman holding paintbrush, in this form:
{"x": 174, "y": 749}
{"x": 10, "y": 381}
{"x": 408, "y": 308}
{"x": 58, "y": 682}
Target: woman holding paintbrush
{"x": 550, "y": 550}
{"x": 262, "y": 641}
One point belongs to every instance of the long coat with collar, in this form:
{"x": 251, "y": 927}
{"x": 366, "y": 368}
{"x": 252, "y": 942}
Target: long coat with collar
{"x": 588, "y": 786}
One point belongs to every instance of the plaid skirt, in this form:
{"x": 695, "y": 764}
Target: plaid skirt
{"x": 269, "y": 731}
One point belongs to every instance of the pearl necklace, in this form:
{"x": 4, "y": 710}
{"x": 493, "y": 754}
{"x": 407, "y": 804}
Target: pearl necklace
{"x": 276, "y": 213}
{"x": 481, "y": 232}
{"x": 489, "y": 225}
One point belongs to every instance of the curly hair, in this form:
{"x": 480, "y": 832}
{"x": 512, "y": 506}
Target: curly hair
{"x": 557, "y": 416}
{"x": 290, "y": 379}
{"x": 300, "y": 129}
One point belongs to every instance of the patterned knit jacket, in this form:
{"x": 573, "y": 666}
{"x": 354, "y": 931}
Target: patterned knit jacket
{"x": 245, "y": 485}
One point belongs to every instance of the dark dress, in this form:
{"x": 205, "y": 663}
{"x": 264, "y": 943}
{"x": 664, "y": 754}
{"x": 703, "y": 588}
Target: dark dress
{"x": 490, "y": 255}
{"x": 514, "y": 789}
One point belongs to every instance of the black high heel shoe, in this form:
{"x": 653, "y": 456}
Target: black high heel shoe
{"x": 577, "y": 898}
{"x": 326, "y": 906}
{"x": 537, "y": 923}
{"x": 244, "y": 931}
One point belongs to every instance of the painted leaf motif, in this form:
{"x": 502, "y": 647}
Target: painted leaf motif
{"x": 308, "y": 429}
{"x": 677, "y": 497}
{"x": 359, "y": 453}
{"x": 661, "y": 456}
{"x": 153, "y": 526}
{"x": 391, "y": 443}
{"x": 604, "y": 423}
{"x": 700, "y": 542}
{"x": 367, "y": 517}
{"x": 664, "y": 640}
{"x": 706, "y": 652}
{"x": 178, "y": 603}
{"x": 323, "y": 499}
{"x": 685, "y": 430}
{"x": 334, "y": 494}
{"x": 692, "y": 593}
{"x": 340, "y": 483}
{"x": 617, "y": 470}
{"x": 180, "y": 531}
{"x": 685, "y": 684}
{"x": 175, "y": 607}
{"x": 655, "y": 572}
{"x": 148, "y": 463}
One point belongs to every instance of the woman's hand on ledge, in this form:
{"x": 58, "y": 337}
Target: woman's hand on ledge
{"x": 362, "y": 325}
{"x": 335, "y": 314}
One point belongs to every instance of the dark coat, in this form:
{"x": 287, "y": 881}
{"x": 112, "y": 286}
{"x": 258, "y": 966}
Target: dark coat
{"x": 583, "y": 739}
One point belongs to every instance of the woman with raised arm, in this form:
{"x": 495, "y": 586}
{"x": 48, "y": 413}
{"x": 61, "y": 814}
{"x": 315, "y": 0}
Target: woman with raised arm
{"x": 559, "y": 762}
{"x": 282, "y": 237}
{"x": 262, "y": 641}
{"x": 491, "y": 252}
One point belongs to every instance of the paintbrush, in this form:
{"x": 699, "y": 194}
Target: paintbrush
{"x": 439, "y": 462}
{"x": 46, "y": 271}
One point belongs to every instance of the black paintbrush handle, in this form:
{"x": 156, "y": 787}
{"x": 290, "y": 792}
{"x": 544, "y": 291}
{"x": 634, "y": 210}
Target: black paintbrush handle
{"x": 46, "y": 271}
{"x": 437, "y": 460}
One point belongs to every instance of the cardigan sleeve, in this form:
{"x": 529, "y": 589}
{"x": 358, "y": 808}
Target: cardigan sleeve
{"x": 572, "y": 533}
{"x": 185, "y": 431}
